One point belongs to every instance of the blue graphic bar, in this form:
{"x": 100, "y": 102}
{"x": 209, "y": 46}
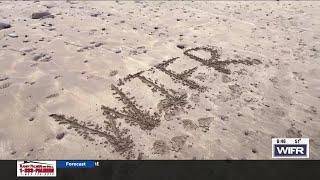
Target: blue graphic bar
{"x": 75, "y": 164}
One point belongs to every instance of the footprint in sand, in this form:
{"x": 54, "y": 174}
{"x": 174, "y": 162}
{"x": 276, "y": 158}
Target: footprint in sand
{"x": 293, "y": 133}
{"x": 160, "y": 147}
{"x": 189, "y": 125}
{"x": 178, "y": 142}
{"x": 204, "y": 123}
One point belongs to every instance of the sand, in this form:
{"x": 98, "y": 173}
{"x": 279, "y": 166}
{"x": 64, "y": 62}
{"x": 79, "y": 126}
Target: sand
{"x": 157, "y": 80}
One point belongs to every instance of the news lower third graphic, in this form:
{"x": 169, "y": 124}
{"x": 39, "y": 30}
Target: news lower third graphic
{"x": 290, "y": 147}
{"x": 281, "y": 148}
{"x": 76, "y": 164}
{"x": 36, "y": 169}
{"x": 49, "y": 168}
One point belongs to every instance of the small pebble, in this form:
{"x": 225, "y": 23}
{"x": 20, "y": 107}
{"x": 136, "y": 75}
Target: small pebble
{"x": 13, "y": 35}
{"x": 180, "y": 46}
{"x": 60, "y": 135}
{"x": 4, "y": 25}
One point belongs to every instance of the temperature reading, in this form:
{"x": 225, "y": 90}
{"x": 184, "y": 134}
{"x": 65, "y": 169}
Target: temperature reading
{"x": 281, "y": 141}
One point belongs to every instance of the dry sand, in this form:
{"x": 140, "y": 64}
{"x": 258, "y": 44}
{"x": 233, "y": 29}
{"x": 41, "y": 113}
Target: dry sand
{"x": 157, "y": 80}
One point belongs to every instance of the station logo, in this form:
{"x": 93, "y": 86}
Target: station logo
{"x": 290, "y": 147}
{"x": 36, "y": 169}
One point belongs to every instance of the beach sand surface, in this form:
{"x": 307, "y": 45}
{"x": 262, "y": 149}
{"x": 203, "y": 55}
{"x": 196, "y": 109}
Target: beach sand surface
{"x": 157, "y": 80}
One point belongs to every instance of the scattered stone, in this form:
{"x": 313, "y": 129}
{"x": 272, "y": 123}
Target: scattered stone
{"x": 52, "y": 29}
{"x": 41, "y": 15}
{"x": 42, "y": 57}
{"x": 13, "y": 152}
{"x": 49, "y": 6}
{"x": 180, "y": 46}
{"x": 37, "y": 57}
{"x": 56, "y": 77}
{"x": 27, "y": 49}
{"x": 4, "y": 25}
{"x": 13, "y": 35}
{"x": 60, "y": 135}
{"x": 95, "y": 14}
{"x": 246, "y": 132}
{"x": 98, "y": 44}
{"x": 224, "y": 118}
{"x": 254, "y": 150}
{"x": 52, "y": 95}
{"x": 81, "y": 49}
